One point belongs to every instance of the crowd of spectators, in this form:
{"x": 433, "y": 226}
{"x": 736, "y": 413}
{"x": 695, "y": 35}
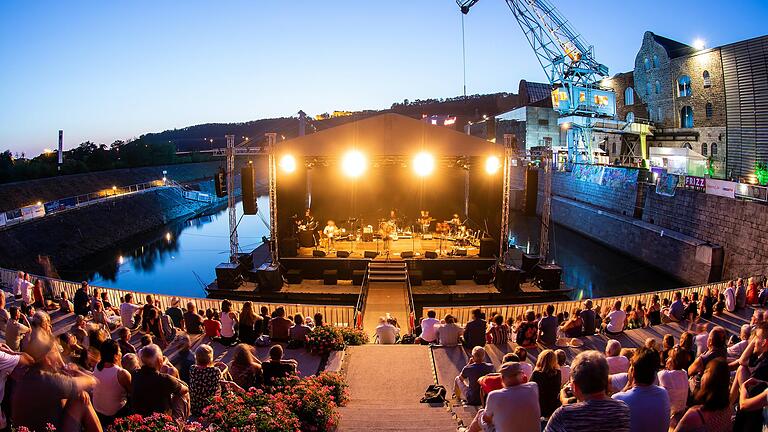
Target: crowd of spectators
{"x": 90, "y": 374}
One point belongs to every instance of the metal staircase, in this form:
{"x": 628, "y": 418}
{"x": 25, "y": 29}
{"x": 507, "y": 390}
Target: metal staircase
{"x": 387, "y": 271}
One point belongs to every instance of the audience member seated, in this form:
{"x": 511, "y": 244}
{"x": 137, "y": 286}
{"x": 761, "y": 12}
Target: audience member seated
{"x": 565, "y": 370}
{"x": 649, "y": 404}
{"x": 279, "y": 326}
{"x": 110, "y": 396}
{"x": 730, "y": 297}
{"x": 467, "y": 387}
{"x": 175, "y": 313}
{"x": 193, "y": 322}
{"x": 228, "y": 320}
{"x": 617, "y": 363}
{"x": 245, "y": 368}
{"x": 548, "y": 327}
{"x": 691, "y": 312}
{"x": 594, "y": 411}
{"x": 654, "y": 312}
{"x": 700, "y": 338}
{"x": 131, "y": 363}
{"x": 676, "y": 311}
{"x": 522, "y": 355}
{"x": 157, "y": 392}
{"x": 527, "y": 331}
{"x": 675, "y": 380}
{"x": 498, "y": 332}
{"x": 18, "y": 326}
{"x": 492, "y": 381}
{"x": 81, "y": 301}
{"x": 297, "y": 334}
{"x": 386, "y": 333}
{"x": 69, "y": 349}
{"x": 546, "y": 375}
{"x": 130, "y": 313}
{"x": 124, "y": 341}
{"x": 474, "y": 331}
{"x": 212, "y": 326}
{"x": 204, "y": 379}
{"x": 736, "y": 349}
{"x": 713, "y": 412}
{"x": 185, "y": 359}
{"x": 51, "y": 393}
{"x": 249, "y": 325}
{"x": 613, "y": 323}
{"x": 572, "y": 328}
{"x": 753, "y": 363}
{"x": 276, "y": 368}
{"x": 716, "y": 348}
{"x": 428, "y": 332}
{"x": 11, "y": 364}
{"x": 513, "y": 408}
{"x": 589, "y": 319}
{"x": 449, "y": 334}
{"x": 152, "y": 325}
{"x": 65, "y": 306}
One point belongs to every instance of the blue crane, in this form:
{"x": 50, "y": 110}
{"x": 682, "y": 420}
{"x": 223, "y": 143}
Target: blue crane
{"x": 571, "y": 68}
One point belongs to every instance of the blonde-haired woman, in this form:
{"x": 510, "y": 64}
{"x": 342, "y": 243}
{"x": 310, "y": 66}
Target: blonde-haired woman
{"x": 245, "y": 368}
{"x": 546, "y": 375}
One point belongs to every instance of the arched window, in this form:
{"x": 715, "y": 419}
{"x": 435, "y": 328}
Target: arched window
{"x": 709, "y": 109}
{"x": 703, "y": 149}
{"x": 686, "y": 117}
{"x": 647, "y": 64}
{"x": 648, "y": 89}
{"x": 658, "y": 87}
{"x": 630, "y": 117}
{"x": 655, "y": 61}
{"x": 629, "y": 96}
{"x": 684, "y": 86}
{"x": 707, "y": 79}
{"x": 714, "y": 149}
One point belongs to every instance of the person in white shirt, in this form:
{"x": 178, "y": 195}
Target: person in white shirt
{"x": 515, "y": 408}
{"x": 128, "y": 310}
{"x": 24, "y": 288}
{"x": 330, "y": 233}
{"x": 9, "y": 361}
{"x": 617, "y": 363}
{"x": 428, "y": 331}
{"x": 700, "y": 340}
{"x": 735, "y": 350}
{"x": 730, "y": 297}
{"x": 614, "y": 321}
{"x": 565, "y": 370}
{"x": 675, "y": 380}
{"x": 522, "y": 354}
{"x": 449, "y": 334}
{"x": 386, "y": 333}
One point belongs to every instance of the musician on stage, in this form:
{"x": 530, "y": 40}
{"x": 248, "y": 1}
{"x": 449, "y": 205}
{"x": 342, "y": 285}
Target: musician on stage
{"x": 308, "y": 221}
{"x": 455, "y": 223}
{"x": 329, "y": 232}
{"x": 387, "y": 231}
{"x": 425, "y": 221}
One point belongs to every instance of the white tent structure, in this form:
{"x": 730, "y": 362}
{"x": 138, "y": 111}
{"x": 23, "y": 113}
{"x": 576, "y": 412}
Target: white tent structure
{"x": 678, "y": 160}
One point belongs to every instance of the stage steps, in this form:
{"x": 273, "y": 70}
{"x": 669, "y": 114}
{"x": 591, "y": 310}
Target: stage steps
{"x": 387, "y": 271}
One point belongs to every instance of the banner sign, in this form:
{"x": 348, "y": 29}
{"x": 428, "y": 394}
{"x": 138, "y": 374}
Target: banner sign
{"x": 619, "y": 178}
{"x": 752, "y": 192}
{"x": 696, "y": 183}
{"x": 667, "y": 184}
{"x": 32, "y": 212}
{"x": 721, "y": 188}
{"x": 3, "y": 220}
{"x": 588, "y": 173}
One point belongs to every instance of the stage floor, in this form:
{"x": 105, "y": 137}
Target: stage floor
{"x": 418, "y": 245}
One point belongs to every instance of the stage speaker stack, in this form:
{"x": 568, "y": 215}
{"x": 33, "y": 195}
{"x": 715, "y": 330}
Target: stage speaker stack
{"x": 529, "y": 262}
{"x": 531, "y": 191}
{"x": 406, "y": 254}
{"x": 342, "y": 254}
{"x": 430, "y": 254}
{"x": 488, "y": 247}
{"x": 306, "y": 239}
{"x": 228, "y": 276}
{"x": 549, "y": 276}
{"x": 482, "y": 277}
{"x": 507, "y": 279}
{"x": 269, "y": 278}
{"x": 248, "y": 181}
{"x": 289, "y": 247}
{"x": 317, "y": 253}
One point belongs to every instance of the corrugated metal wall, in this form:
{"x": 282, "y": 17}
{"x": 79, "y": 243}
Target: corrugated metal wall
{"x": 745, "y": 69}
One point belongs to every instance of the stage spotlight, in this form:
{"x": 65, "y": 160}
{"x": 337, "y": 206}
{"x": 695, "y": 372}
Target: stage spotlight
{"x": 288, "y": 163}
{"x": 423, "y": 164}
{"x": 492, "y": 165}
{"x": 353, "y": 164}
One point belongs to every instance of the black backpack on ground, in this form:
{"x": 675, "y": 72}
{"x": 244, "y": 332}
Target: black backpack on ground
{"x": 434, "y": 394}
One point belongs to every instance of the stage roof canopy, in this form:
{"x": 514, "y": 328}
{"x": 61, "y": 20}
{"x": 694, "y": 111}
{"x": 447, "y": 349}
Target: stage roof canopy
{"x": 388, "y": 135}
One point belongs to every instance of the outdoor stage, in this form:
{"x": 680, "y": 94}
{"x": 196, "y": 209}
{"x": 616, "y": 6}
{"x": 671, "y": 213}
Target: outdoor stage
{"x": 415, "y": 244}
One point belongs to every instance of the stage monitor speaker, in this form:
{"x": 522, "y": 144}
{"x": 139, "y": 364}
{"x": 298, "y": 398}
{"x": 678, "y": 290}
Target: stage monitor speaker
{"x": 430, "y": 254}
{"x": 482, "y": 277}
{"x": 460, "y": 252}
{"x": 406, "y": 254}
{"x": 529, "y": 262}
{"x": 342, "y": 254}
{"x": 293, "y": 276}
{"x": 371, "y": 254}
{"x": 488, "y": 247}
{"x": 367, "y": 237}
{"x": 548, "y": 276}
{"x": 228, "y": 276}
{"x": 289, "y": 247}
{"x": 317, "y": 253}
{"x": 508, "y": 279}
{"x": 270, "y": 278}
{"x": 248, "y": 181}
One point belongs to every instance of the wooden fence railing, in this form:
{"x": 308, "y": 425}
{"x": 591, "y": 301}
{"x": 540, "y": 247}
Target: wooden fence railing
{"x": 339, "y": 316}
{"x": 463, "y": 313}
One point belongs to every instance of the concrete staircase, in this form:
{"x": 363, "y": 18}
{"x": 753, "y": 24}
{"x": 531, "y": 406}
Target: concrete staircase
{"x": 387, "y": 271}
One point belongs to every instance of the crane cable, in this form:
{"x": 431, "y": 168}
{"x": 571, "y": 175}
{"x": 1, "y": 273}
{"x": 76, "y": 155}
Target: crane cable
{"x": 464, "y": 55}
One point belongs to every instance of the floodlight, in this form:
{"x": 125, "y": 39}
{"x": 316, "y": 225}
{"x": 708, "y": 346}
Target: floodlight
{"x": 423, "y": 164}
{"x": 353, "y": 164}
{"x": 288, "y": 163}
{"x": 492, "y": 165}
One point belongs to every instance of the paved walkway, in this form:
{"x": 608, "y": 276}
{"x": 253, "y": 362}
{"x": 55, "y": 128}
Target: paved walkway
{"x": 383, "y": 298}
{"x": 386, "y": 383}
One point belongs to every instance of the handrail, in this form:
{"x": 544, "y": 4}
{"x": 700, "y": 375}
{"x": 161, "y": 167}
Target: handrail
{"x": 339, "y": 316}
{"x": 358, "y": 315}
{"x": 411, "y": 304}
{"x": 463, "y": 313}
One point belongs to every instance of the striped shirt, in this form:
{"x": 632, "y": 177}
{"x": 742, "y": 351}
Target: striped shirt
{"x": 604, "y": 415}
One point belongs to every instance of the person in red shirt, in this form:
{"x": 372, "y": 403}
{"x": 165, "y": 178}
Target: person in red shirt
{"x": 491, "y": 382}
{"x": 212, "y": 326}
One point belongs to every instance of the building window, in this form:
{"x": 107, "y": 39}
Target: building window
{"x": 686, "y": 117}
{"x": 613, "y": 144}
{"x": 660, "y": 115}
{"x": 703, "y": 149}
{"x": 707, "y": 79}
{"x": 648, "y": 89}
{"x": 656, "y": 61}
{"x": 714, "y": 149}
{"x": 709, "y": 109}
{"x": 629, "y": 96}
{"x": 647, "y": 64}
{"x": 543, "y": 122}
{"x": 630, "y": 117}
{"x": 684, "y": 86}
{"x": 658, "y": 87}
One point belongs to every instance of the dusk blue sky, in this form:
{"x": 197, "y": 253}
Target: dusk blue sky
{"x": 115, "y": 70}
